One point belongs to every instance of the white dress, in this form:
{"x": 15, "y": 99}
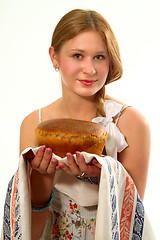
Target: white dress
{"x": 72, "y": 215}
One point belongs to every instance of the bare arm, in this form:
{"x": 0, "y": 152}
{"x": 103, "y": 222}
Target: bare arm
{"x": 135, "y": 158}
{"x": 42, "y": 174}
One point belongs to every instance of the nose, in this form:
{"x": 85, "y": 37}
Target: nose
{"x": 88, "y": 67}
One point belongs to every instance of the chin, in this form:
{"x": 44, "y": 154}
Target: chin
{"x": 87, "y": 93}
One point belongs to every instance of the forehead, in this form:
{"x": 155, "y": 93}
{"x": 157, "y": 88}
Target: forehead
{"x": 90, "y": 40}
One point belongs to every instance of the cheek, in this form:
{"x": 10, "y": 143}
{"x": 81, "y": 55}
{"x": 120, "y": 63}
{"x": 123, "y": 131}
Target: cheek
{"x": 67, "y": 68}
{"x": 103, "y": 71}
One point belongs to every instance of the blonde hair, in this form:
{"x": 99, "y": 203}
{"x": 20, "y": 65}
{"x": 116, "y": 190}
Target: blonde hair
{"x": 79, "y": 20}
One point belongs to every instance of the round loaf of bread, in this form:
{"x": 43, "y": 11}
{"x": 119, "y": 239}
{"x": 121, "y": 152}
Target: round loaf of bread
{"x": 69, "y": 135}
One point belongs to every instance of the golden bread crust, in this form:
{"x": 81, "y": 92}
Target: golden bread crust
{"x": 70, "y": 135}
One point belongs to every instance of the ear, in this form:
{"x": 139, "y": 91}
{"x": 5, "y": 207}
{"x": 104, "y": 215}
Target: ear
{"x": 53, "y": 57}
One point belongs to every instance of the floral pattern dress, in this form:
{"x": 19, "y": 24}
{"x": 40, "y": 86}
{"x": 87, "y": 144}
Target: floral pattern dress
{"x": 68, "y": 219}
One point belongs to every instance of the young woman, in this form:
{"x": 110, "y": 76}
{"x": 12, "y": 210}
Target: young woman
{"x": 85, "y": 52}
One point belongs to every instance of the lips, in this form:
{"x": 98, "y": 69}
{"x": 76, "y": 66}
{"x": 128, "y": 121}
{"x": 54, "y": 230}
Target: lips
{"x": 86, "y": 82}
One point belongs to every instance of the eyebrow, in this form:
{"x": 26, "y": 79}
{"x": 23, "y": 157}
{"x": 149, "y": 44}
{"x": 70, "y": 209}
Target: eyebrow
{"x": 77, "y": 50}
{"x": 82, "y": 51}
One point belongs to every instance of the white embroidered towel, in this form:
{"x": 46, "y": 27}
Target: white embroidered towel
{"x": 120, "y": 213}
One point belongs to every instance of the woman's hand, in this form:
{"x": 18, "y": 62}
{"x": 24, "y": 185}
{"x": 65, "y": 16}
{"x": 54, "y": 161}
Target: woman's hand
{"x": 92, "y": 169}
{"x": 42, "y": 176}
{"x": 42, "y": 161}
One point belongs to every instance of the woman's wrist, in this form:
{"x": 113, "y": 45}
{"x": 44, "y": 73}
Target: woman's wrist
{"x": 41, "y": 189}
{"x": 43, "y": 206}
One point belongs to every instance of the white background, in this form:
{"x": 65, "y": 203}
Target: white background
{"x": 28, "y": 81}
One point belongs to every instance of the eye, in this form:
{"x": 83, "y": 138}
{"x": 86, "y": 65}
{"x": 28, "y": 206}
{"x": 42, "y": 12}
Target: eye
{"x": 77, "y": 56}
{"x": 99, "y": 57}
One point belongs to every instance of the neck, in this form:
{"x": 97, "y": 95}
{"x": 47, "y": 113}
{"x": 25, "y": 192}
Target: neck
{"x": 78, "y": 108}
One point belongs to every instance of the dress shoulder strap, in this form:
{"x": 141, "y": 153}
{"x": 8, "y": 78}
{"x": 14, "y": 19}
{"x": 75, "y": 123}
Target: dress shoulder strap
{"x": 120, "y": 113}
{"x": 40, "y": 115}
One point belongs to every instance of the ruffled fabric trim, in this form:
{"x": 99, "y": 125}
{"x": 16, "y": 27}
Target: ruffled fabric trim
{"x": 115, "y": 138}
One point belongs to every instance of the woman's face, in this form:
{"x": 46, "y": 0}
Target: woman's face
{"x": 83, "y": 63}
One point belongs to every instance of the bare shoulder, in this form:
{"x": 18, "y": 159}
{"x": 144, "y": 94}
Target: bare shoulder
{"x": 27, "y": 131}
{"x": 135, "y": 158}
{"x": 30, "y": 120}
{"x": 131, "y": 118}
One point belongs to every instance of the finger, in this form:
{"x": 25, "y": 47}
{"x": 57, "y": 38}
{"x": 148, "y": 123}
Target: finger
{"x": 58, "y": 167}
{"x": 35, "y": 163}
{"x": 81, "y": 162}
{"x": 64, "y": 167}
{"x": 46, "y": 160}
{"x": 91, "y": 169}
{"x": 96, "y": 163}
{"x": 52, "y": 166}
{"x": 72, "y": 165}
